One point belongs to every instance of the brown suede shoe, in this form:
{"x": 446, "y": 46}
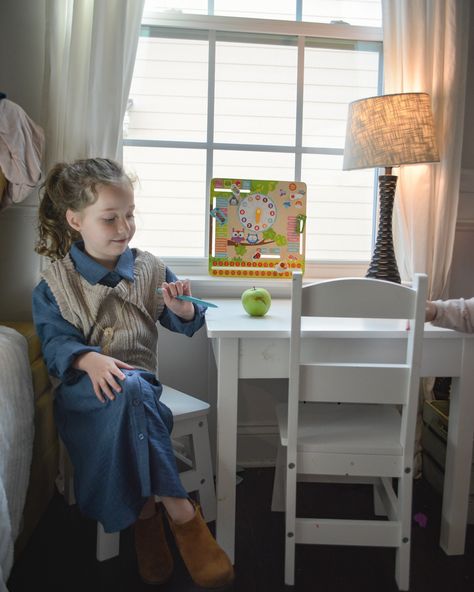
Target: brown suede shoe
{"x": 155, "y": 562}
{"x": 208, "y": 564}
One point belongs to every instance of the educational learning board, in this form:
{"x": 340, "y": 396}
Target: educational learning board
{"x": 257, "y": 228}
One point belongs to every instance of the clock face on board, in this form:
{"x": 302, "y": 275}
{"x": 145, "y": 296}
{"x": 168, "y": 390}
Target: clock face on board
{"x": 257, "y": 212}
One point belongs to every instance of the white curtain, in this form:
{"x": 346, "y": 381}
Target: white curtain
{"x": 90, "y": 55}
{"x": 425, "y": 50}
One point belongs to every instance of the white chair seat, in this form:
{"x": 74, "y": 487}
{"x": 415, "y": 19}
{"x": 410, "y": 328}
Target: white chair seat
{"x": 181, "y": 405}
{"x": 345, "y": 428}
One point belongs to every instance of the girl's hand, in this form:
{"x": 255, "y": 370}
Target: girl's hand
{"x": 183, "y": 309}
{"x": 101, "y": 370}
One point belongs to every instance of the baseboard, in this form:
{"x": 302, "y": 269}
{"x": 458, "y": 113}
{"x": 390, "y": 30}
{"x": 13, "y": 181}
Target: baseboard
{"x": 257, "y": 445}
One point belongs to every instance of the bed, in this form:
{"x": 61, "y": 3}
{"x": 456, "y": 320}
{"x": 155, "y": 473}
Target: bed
{"x": 16, "y": 440}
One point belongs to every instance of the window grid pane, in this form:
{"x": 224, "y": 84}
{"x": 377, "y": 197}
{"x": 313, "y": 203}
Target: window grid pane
{"x": 333, "y": 78}
{"x": 276, "y": 9}
{"x": 170, "y": 199}
{"x": 254, "y": 165}
{"x": 254, "y": 104}
{"x": 255, "y": 94}
{"x": 184, "y": 6}
{"x": 367, "y": 13}
{"x": 169, "y": 90}
{"x": 340, "y": 210}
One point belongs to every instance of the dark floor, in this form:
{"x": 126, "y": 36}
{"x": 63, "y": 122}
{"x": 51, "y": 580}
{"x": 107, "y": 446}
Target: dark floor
{"x": 61, "y": 553}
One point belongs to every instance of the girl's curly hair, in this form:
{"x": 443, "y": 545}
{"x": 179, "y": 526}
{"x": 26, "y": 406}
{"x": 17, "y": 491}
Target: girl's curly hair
{"x": 72, "y": 186}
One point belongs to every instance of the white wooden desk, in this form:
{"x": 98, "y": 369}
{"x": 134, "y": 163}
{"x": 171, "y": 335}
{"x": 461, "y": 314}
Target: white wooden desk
{"x": 249, "y": 347}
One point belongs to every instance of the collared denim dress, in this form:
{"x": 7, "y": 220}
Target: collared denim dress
{"x": 121, "y": 450}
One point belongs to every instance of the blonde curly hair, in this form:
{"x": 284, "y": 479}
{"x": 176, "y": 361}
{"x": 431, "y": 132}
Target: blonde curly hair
{"x": 72, "y": 186}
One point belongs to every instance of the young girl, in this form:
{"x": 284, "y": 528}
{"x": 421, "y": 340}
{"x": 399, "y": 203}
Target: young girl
{"x": 455, "y": 314}
{"x": 95, "y": 311}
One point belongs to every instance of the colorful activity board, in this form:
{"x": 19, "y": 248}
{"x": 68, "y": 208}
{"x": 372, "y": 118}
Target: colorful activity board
{"x": 257, "y": 228}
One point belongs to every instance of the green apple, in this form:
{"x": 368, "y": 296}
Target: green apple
{"x": 256, "y": 301}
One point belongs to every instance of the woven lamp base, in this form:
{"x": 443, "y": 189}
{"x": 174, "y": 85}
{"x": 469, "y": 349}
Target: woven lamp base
{"x": 383, "y": 264}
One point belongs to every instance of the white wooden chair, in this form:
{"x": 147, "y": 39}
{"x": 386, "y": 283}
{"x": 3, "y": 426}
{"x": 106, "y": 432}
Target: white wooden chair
{"x": 351, "y": 416}
{"x": 190, "y": 420}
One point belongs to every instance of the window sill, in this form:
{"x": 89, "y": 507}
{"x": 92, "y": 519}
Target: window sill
{"x": 206, "y": 286}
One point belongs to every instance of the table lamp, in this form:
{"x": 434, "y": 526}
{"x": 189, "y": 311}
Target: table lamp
{"x": 388, "y": 131}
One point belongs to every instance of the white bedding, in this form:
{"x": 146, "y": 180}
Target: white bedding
{"x": 16, "y": 440}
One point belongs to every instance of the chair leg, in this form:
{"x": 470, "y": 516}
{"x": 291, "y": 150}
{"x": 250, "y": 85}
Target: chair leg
{"x": 379, "y": 506}
{"x": 199, "y": 476}
{"x": 402, "y": 566}
{"x": 203, "y": 466}
{"x": 290, "y": 526}
{"x": 402, "y": 558}
{"x": 108, "y": 543}
{"x": 278, "y": 493}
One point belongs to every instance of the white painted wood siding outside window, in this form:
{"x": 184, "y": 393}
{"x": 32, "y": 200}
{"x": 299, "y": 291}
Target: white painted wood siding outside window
{"x": 209, "y": 101}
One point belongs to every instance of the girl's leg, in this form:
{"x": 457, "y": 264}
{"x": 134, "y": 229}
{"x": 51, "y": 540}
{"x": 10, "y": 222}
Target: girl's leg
{"x": 180, "y": 510}
{"x": 149, "y": 509}
{"x": 207, "y": 563}
{"x": 155, "y": 562}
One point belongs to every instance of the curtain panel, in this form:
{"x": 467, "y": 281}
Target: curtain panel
{"x": 425, "y": 50}
{"x": 90, "y": 56}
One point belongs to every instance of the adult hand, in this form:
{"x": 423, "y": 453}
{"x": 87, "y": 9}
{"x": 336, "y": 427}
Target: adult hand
{"x": 430, "y": 311}
{"x": 102, "y": 371}
{"x": 183, "y": 309}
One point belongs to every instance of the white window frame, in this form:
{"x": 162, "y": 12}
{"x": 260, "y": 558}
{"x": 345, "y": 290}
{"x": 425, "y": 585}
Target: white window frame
{"x": 197, "y": 268}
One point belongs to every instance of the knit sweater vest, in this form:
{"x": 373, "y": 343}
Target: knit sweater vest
{"x": 131, "y": 309}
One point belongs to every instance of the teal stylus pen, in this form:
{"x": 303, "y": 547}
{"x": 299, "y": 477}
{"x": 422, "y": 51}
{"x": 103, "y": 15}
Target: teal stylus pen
{"x": 191, "y": 299}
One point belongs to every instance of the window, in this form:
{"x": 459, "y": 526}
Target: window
{"x": 230, "y": 90}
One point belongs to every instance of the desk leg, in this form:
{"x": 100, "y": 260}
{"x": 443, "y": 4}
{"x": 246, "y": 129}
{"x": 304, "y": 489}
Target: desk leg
{"x": 226, "y": 454}
{"x": 458, "y": 456}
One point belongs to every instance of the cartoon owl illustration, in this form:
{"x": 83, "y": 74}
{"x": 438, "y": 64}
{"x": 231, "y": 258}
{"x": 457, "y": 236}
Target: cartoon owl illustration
{"x": 252, "y": 238}
{"x": 237, "y": 235}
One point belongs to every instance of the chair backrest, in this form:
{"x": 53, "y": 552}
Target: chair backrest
{"x": 321, "y": 372}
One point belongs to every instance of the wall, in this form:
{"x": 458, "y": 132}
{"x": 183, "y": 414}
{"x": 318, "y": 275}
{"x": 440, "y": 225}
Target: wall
{"x": 462, "y": 272}
{"x": 21, "y": 79}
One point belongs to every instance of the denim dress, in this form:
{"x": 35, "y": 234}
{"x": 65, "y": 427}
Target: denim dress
{"x": 121, "y": 450}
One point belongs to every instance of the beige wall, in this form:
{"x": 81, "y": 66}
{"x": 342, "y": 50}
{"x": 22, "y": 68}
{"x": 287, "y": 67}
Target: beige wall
{"x": 462, "y": 271}
{"x": 21, "y": 79}
{"x": 468, "y": 141}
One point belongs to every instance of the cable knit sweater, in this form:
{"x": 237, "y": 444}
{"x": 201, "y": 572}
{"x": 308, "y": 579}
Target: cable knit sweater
{"x": 455, "y": 314}
{"x": 131, "y": 308}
